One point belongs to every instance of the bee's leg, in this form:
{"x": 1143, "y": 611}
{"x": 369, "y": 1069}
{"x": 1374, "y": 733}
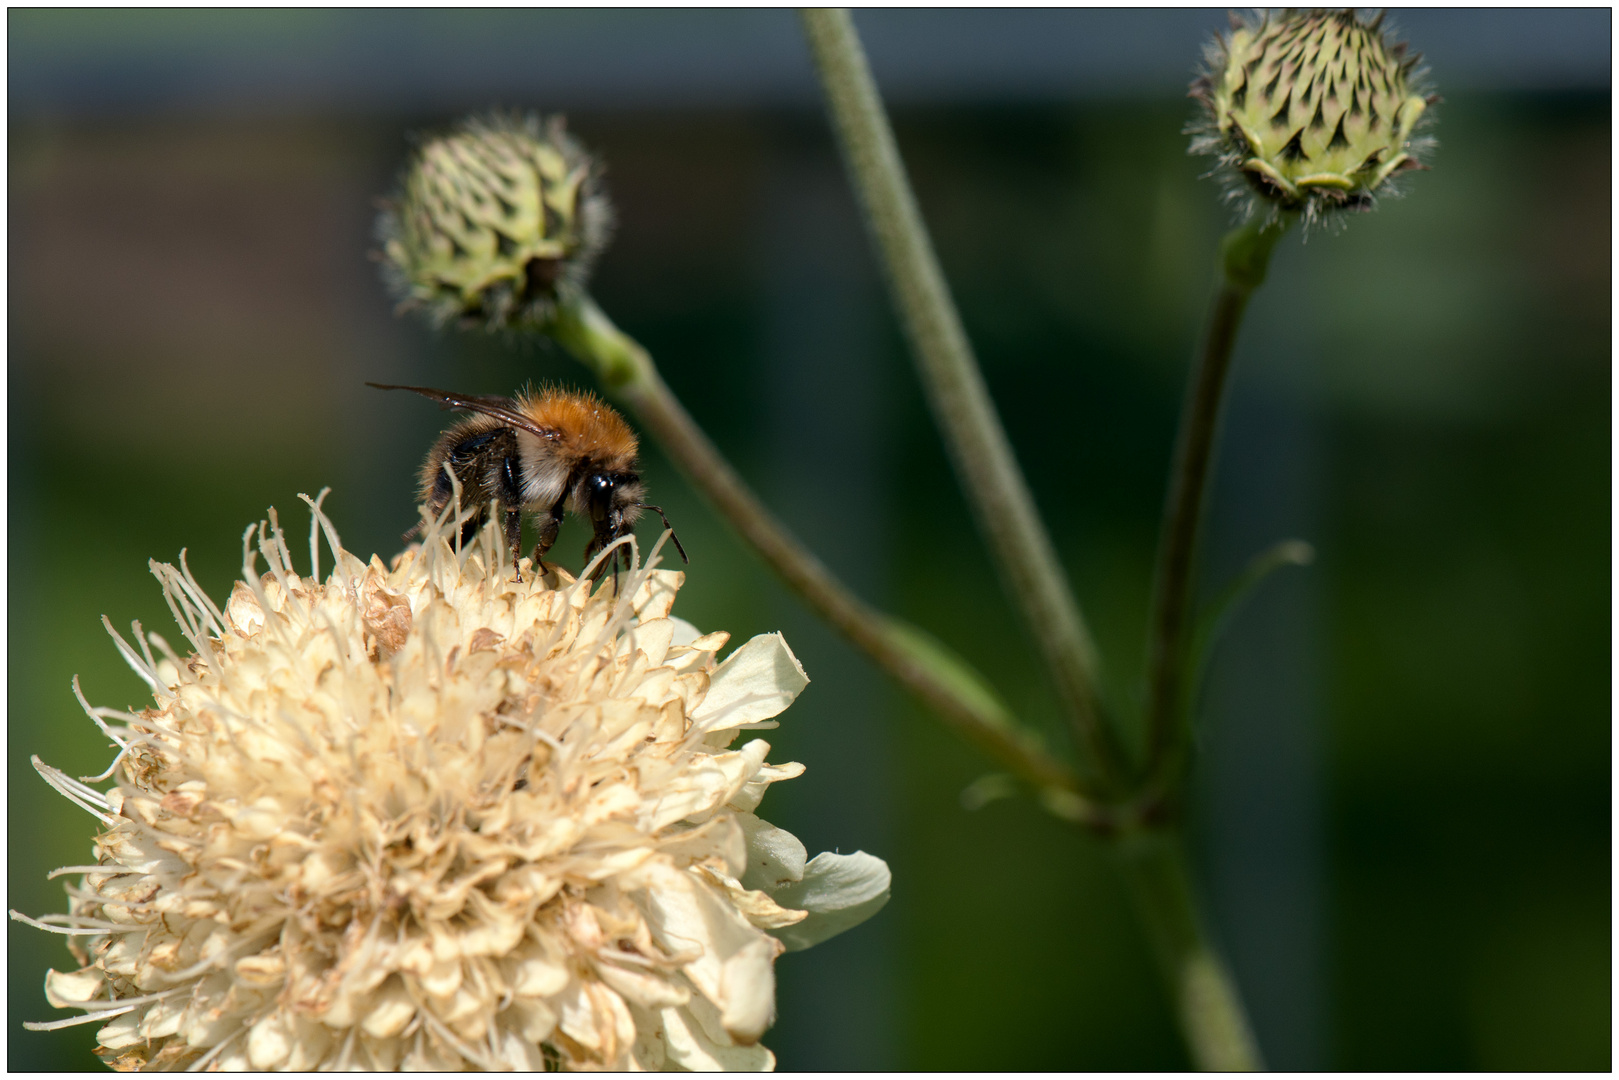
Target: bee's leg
{"x": 610, "y": 531}
{"x": 548, "y": 536}
{"x": 621, "y": 554}
{"x": 659, "y": 511}
{"x": 591, "y": 549}
{"x": 416, "y": 530}
{"x": 597, "y": 542}
{"x": 469, "y": 529}
{"x": 549, "y": 525}
{"x": 511, "y": 494}
{"x": 514, "y": 540}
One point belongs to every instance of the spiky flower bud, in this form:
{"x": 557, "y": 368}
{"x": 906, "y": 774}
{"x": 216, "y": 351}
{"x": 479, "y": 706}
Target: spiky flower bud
{"x": 494, "y": 221}
{"x": 1313, "y": 111}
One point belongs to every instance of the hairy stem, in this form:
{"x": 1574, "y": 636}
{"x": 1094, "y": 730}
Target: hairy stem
{"x": 1205, "y": 997}
{"x": 1245, "y": 255}
{"x": 942, "y": 680}
{"x": 955, "y": 388}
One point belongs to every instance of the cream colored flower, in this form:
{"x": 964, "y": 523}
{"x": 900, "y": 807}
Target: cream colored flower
{"x": 430, "y": 817}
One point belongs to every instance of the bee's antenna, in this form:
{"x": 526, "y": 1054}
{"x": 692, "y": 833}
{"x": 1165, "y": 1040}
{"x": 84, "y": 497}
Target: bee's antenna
{"x": 659, "y": 511}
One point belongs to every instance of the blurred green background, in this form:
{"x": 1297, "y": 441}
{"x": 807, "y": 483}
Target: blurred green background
{"x": 1404, "y": 792}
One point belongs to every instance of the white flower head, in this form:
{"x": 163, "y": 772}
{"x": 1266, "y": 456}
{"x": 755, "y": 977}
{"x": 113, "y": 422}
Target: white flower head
{"x": 432, "y": 817}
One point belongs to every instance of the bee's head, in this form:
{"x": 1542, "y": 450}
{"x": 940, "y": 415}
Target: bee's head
{"x": 612, "y": 501}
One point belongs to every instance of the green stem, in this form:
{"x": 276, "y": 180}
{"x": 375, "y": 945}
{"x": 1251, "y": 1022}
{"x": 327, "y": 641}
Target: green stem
{"x": 1206, "y": 1002}
{"x": 1245, "y": 255}
{"x": 955, "y": 388}
{"x": 942, "y": 680}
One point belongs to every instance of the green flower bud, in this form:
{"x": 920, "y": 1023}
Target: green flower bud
{"x": 494, "y": 221}
{"x": 1311, "y": 111}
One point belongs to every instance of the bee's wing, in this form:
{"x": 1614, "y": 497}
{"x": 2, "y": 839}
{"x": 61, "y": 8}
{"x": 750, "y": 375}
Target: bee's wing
{"x": 498, "y": 407}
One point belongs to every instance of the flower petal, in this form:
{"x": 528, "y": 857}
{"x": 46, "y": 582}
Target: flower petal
{"x": 72, "y": 989}
{"x": 269, "y": 1041}
{"x": 689, "y": 1047}
{"x": 755, "y": 904}
{"x": 684, "y": 632}
{"x": 776, "y": 857}
{"x": 838, "y": 891}
{"x": 732, "y": 965}
{"x": 755, "y": 683}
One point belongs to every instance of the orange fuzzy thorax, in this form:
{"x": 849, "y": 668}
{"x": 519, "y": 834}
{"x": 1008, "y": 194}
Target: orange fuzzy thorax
{"x": 587, "y": 425}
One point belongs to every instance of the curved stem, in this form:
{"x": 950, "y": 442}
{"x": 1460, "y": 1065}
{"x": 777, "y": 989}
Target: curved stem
{"x": 943, "y": 681}
{"x": 1205, "y": 996}
{"x": 1245, "y": 255}
{"x": 955, "y": 388}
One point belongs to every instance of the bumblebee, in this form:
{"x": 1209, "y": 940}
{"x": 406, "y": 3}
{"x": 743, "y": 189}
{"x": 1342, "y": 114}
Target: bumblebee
{"x": 540, "y": 453}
